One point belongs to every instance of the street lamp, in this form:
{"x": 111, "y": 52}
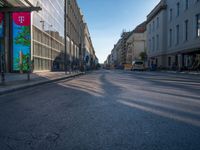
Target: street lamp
{"x": 51, "y": 26}
{"x": 65, "y": 35}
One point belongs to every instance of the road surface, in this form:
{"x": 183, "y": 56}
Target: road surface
{"x": 105, "y": 110}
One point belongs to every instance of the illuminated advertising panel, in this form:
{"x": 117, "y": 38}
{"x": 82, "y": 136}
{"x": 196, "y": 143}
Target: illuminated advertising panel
{"x": 1, "y": 25}
{"x": 21, "y": 40}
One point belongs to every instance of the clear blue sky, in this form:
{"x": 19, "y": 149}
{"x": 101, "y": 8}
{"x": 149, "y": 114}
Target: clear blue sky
{"x": 107, "y": 18}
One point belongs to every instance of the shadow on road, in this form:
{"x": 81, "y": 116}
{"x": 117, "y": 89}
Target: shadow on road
{"x": 100, "y": 111}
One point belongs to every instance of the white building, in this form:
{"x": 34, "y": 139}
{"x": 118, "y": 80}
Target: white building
{"x": 173, "y": 33}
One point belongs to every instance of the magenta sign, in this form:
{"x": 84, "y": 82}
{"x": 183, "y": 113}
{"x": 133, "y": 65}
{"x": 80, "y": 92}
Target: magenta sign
{"x": 21, "y": 39}
{"x": 22, "y": 18}
{"x": 1, "y": 24}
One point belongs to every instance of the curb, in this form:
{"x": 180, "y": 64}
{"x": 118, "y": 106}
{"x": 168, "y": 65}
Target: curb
{"x": 38, "y": 83}
{"x": 182, "y": 72}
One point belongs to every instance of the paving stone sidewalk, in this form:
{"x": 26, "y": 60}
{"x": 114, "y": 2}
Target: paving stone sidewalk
{"x": 16, "y": 81}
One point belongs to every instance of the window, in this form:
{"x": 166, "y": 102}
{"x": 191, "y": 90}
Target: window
{"x": 157, "y": 42}
{"x": 153, "y": 40}
{"x": 150, "y": 28}
{"x": 169, "y": 61}
{"x": 156, "y": 61}
{"x": 186, "y": 4}
{"x": 157, "y": 22}
{"x": 153, "y": 25}
{"x": 198, "y": 25}
{"x": 170, "y": 37}
{"x": 150, "y": 45}
{"x": 186, "y": 30}
{"x": 170, "y": 14}
{"x": 177, "y": 34}
{"x": 178, "y": 9}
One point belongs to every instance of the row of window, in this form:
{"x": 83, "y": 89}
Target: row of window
{"x": 186, "y": 31}
{"x": 154, "y": 43}
{"x": 154, "y": 25}
{"x": 44, "y": 64}
{"x": 178, "y": 8}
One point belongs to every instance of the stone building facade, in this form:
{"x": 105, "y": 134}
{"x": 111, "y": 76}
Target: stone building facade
{"x": 173, "y": 34}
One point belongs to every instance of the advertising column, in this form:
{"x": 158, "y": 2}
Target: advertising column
{"x": 21, "y": 45}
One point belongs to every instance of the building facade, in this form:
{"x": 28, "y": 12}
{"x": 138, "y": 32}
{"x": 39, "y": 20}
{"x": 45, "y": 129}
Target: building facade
{"x": 136, "y": 43}
{"x": 173, "y": 33}
{"x": 89, "y": 53}
{"x": 47, "y": 35}
{"x": 123, "y": 49}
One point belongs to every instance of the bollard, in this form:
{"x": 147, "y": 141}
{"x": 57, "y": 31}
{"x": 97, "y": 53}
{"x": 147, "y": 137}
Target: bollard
{"x": 2, "y": 69}
{"x": 28, "y": 68}
{"x": 21, "y": 62}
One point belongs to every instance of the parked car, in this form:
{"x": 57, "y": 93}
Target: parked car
{"x": 138, "y": 65}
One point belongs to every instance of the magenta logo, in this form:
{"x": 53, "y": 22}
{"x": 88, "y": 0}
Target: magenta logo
{"x": 1, "y": 17}
{"x": 22, "y": 18}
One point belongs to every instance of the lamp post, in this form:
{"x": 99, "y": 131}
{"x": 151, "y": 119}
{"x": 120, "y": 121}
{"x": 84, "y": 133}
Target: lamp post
{"x": 65, "y": 35}
{"x": 51, "y": 26}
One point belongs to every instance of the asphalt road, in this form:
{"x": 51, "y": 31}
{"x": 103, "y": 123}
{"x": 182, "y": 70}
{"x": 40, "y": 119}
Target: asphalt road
{"x": 105, "y": 110}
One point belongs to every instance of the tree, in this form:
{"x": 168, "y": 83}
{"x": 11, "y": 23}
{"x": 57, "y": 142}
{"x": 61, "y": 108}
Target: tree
{"x": 143, "y": 56}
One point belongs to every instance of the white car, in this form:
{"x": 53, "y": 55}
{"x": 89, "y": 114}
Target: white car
{"x": 138, "y": 65}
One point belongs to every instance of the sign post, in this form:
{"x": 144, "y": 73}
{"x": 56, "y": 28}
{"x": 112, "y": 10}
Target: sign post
{"x": 2, "y": 59}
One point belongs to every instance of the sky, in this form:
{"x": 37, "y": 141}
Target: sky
{"x": 107, "y": 18}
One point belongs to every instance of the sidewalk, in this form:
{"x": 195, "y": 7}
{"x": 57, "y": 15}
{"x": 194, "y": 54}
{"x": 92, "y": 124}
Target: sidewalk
{"x": 183, "y": 72}
{"x": 15, "y": 82}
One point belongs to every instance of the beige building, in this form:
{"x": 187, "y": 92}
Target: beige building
{"x": 89, "y": 52}
{"x": 123, "y": 48}
{"x": 136, "y": 43}
{"x": 75, "y": 27}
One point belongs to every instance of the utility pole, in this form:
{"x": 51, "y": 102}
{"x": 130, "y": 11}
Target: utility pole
{"x": 51, "y": 30}
{"x": 65, "y": 35}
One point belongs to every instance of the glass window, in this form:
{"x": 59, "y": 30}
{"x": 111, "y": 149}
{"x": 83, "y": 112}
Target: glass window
{"x": 157, "y": 22}
{"x": 170, "y": 37}
{"x": 157, "y": 42}
{"x": 153, "y": 40}
{"x": 186, "y": 30}
{"x": 186, "y": 4}
{"x": 170, "y": 14}
{"x": 178, "y": 9}
{"x": 177, "y": 34}
{"x": 198, "y": 25}
{"x": 169, "y": 61}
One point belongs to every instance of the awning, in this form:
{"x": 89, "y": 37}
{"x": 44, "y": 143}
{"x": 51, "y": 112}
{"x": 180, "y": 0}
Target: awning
{"x": 17, "y": 6}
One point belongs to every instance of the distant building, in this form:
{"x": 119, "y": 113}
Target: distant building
{"x": 89, "y": 53}
{"x": 123, "y": 48}
{"x": 136, "y": 43}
